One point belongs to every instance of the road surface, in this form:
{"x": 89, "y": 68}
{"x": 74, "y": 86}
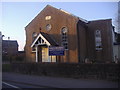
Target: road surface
{"x": 15, "y": 80}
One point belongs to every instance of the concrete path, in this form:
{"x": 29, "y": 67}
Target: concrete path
{"x": 57, "y": 82}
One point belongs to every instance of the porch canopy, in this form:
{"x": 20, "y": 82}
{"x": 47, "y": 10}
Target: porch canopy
{"x": 44, "y": 39}
{"x": 41, "y": 40}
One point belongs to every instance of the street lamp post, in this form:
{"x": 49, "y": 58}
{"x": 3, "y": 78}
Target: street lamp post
{"x": 0, "y": 60}
{"x": 9, "y": 51}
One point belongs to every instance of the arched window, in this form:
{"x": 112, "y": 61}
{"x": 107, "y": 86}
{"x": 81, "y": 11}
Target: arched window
{"x": 64, "y": 38}
{"x": 48, "y": 27}
{"x": 98, "y": 40}
{"x": 34, "y": 35}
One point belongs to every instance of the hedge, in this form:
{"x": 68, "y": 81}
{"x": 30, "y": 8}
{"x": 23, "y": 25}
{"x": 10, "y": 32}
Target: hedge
{"x": 109, "y": 71}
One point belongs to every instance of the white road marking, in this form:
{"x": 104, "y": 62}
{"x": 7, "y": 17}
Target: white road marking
{"x": 10, "y": 85}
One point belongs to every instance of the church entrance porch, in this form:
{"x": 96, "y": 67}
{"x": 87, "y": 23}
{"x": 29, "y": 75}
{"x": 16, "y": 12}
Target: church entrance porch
{"x": 41, "y": 45}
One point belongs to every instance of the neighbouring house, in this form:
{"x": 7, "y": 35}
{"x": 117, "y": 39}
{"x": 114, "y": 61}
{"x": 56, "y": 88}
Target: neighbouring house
{"x": 9, "y": 49}
{"x": 82, "y": 40}
{"x": 116, "y": 47}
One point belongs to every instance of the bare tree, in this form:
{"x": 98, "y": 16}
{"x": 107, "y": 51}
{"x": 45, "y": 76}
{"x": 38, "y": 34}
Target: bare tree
{"x": 119, "y": 27}
{"x": 119, "y": 17}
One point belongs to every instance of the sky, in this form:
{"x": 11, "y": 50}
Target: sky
{"x": 17, "y": 15}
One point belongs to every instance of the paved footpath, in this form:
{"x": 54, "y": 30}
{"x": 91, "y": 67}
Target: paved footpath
{"x": 57, "y": 82}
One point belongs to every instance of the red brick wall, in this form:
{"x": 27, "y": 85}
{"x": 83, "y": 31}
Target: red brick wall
{"x": 81, "y": 38}
{"x": 58, "y": 20}
{"x": 105, "y": 26}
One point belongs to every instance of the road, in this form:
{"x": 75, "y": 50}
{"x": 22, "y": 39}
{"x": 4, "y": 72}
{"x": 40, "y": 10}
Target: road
{"x": 19, "y": 85}
{"x": 12, "y": 84}
{"x": 7, "y": 85}
{"x": 15, "y": 80}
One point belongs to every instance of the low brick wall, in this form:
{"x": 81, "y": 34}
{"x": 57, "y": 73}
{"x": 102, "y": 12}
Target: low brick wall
{"x": 93, "y": 71}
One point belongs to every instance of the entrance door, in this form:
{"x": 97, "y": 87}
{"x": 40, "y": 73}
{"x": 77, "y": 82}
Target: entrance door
{"x": 46, "y": 57}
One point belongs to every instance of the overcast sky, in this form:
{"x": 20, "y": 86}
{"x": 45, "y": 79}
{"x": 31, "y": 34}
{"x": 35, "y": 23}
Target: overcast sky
{"x": 16, "y": 15}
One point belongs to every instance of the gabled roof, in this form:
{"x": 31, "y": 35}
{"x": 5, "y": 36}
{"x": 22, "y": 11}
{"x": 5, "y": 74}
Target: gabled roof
{"x": 63, "y": 11}
{"x": 43, "y": 39}
{"x": 10, "y": 42}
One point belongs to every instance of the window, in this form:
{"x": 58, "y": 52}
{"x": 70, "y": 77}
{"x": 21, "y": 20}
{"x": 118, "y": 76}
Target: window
{"x": 48, "y": 27}
{"x": 64, "y": 37}
{"x": 33, "y": 49}
{"x": 48, "y": 17}
{"x": 34, "y": 35}
{"x": 98, "y": 41}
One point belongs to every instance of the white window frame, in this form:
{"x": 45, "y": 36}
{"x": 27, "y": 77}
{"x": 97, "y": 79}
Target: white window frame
{"x": 65, "y": 38}
{"x": 98, "y": 40}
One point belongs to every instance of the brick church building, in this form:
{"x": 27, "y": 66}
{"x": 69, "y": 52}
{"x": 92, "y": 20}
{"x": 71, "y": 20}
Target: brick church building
{"x": 82, "y": 40}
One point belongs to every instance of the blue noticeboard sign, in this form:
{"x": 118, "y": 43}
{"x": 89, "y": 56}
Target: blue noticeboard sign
{"x": 56, "y": 51}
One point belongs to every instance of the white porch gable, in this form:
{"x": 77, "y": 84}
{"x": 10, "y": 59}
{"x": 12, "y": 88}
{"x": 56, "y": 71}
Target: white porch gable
{"x": 40, "y": 40}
